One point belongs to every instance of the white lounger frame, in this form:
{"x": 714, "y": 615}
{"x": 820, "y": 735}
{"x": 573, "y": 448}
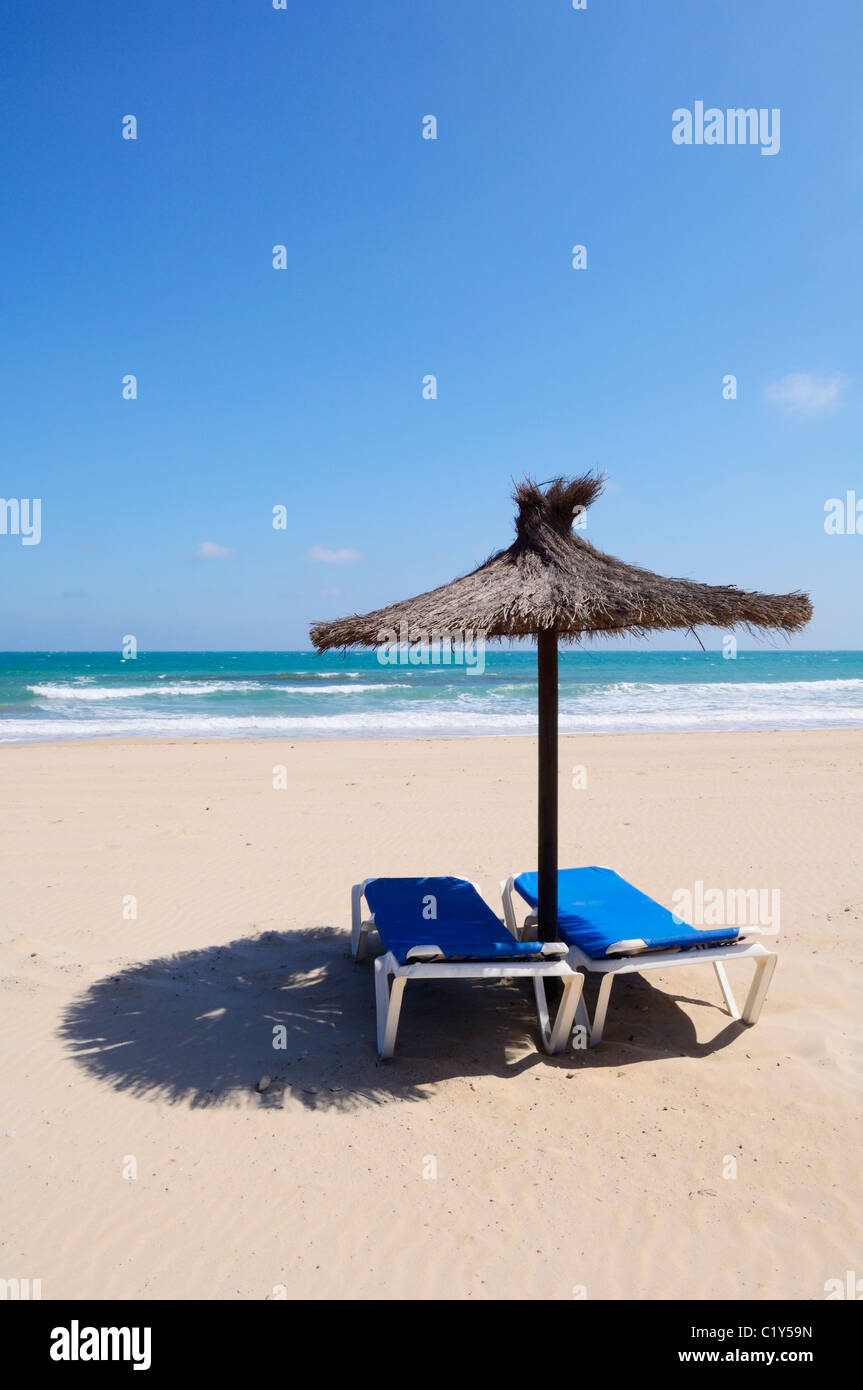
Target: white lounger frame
{"x": 427, "y": 963}
{"x": 636, "y": 962}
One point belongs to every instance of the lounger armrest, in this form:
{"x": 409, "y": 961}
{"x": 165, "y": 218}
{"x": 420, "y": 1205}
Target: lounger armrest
{"x": 509, "y": 918}
{"x": 424, "y": 953}
{"x": 523, "y": 932}
{"x": 360, "y": 926}
{"x": 357, "y": 919}
{"x": 554, "y": 948}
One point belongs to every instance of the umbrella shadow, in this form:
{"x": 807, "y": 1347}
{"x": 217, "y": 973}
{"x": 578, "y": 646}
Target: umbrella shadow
{"x": 203, "y": 1027}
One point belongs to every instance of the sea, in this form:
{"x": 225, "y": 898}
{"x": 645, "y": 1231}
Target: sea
{"x": 75, "y": 695}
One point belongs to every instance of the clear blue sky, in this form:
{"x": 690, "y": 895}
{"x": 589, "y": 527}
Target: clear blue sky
{"x": 406, "y": 256}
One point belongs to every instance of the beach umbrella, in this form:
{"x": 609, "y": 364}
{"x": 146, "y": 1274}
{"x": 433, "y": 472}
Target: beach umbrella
{"x": 552, "y": 584}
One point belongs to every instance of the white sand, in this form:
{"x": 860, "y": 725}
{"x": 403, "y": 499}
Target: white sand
{"x": 143, "y": 1039}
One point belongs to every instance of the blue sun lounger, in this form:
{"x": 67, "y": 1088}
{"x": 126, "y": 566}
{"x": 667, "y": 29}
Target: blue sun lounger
{"x": 441, "y": 928}
{"x": 612, "y": 928}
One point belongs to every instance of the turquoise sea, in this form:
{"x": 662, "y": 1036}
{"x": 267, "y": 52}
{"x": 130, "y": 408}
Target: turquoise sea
{"x": 63, "y": 695}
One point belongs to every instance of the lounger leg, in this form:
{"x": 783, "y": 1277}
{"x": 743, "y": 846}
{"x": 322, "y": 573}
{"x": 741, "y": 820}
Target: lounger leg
{"x": 764, "y": 968}
{"x": 555, "y": 1039}
{"x": 601, "y": 1009}
{"x": 582, "y": 1017}
{"x": 389, "y": 1005}
{"x": 542, "y": 1010}
{"x": 358, "y": 936}
{"x": 730, "y": 1001}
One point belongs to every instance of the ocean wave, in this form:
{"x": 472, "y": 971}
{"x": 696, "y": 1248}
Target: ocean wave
{"x": 59, "y": 691}
{"x": 91, "y": 693}
{"x": 847, "y": 684}
{"x": 77, "y": 708}
{"x": 340, "y": 689}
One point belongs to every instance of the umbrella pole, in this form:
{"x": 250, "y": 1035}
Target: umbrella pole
{"x": 546, "y": 661}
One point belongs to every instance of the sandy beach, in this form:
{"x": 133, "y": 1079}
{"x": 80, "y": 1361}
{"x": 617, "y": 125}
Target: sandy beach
{"x": 166, "y": 906}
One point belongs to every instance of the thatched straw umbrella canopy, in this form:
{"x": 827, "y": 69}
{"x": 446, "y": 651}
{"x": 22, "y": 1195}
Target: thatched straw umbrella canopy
{"x": 553, "y": 584}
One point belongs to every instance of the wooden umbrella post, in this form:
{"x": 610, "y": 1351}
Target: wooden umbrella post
{"x": 546, "y": 660}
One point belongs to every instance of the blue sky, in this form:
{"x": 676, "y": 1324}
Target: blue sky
{"x": 303, "y": 387}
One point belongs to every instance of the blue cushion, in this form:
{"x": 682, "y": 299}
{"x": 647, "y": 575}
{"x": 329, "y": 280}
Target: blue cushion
{"x": 465, "y": 928}
{"x": 597, "y": 908}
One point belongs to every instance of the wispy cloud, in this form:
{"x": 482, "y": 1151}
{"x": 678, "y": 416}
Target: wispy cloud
{"x": 800, "y": 393}
{"x": 345, "y": 556}
{"x": 209, "y": 550}
{"x": 331, "y": 593}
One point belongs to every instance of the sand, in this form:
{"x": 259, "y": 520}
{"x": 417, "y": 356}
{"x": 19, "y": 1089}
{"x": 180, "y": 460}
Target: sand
{"x": 139, "y": 1160}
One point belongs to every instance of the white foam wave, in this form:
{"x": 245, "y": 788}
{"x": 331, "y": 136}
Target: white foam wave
{"x": 56, "y": 690}
{"x": 339, "y": 689}
{"x": 93, "y": 693}
{"x": 471, "y": 710}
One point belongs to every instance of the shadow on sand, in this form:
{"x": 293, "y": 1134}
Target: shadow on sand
{"x": 199, "y": 1027}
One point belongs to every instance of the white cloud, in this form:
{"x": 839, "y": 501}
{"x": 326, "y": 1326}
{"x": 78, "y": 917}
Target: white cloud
{"x": 800, "y": 393}
{"x": 345, "y": 556}
{"x": 209, "y": 550}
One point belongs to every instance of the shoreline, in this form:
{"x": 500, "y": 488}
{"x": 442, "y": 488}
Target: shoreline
{"x": 352, "y": 740}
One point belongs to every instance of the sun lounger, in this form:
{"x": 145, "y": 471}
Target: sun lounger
{"x": 441, "y": 928}
{"x": 612, "y": 928}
